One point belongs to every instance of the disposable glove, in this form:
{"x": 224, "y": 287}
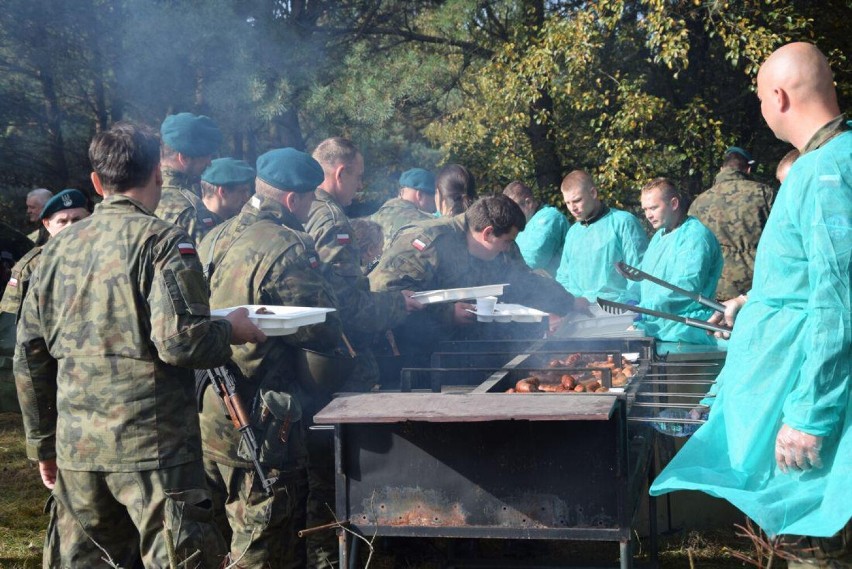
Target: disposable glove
{"x": 797, "y": 450}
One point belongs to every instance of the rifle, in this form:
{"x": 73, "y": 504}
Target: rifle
{"x": 226, "y": 387}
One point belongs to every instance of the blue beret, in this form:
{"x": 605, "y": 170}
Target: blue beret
{"x": 289, "y": 170}
{"x": 66, "y": 199}
{"x": 193, "y": 135}
{"x": 228, "y": 172}
{"x": 418, "y": 179}
{"x": 741, "y": 151}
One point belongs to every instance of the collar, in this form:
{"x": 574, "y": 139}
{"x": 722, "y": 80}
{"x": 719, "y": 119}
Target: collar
{"x": 832, "y": 128}
{"x": 268, "y": 208}
{"x": 602, "y": 211}
{"x": 120, "y": 201}
{"x": 728, "y": 174}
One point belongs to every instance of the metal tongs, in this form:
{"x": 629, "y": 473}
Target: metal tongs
{"x": 634, "y": 274}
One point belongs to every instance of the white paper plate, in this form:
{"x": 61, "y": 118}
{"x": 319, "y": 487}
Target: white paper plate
{"x": 454, "y": 294}
{"x": 283, "y": 321}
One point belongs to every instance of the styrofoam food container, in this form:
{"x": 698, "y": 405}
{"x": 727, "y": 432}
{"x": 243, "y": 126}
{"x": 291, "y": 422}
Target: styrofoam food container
{"x": 511, "y": 313}
{"x": 283, "y": 321}
{"x": 454, "y": 294}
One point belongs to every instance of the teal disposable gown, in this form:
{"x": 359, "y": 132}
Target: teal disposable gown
{"x": 788, "y": 361}
{"x": 541, "y": 242}
{"x": 688, "y": 257}
{"x": 591, "y": 250}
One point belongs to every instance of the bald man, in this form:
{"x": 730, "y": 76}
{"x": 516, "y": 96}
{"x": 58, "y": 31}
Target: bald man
{"x": 778, "y": 444}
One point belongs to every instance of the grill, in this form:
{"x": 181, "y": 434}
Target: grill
{"x": 451, "y": 455}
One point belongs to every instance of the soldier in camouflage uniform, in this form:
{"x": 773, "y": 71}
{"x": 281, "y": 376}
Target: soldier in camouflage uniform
{"x": 470, "y": 249}
{"x": 262, "y": 256}
{"x": 189, "y": 142}
{"x": 416, "y": 202}
{"x": 14, "y": 245}
{"x": 226, "y": 186}
{"x": 115, "y": 317}
{"x": 735, "y": 209}
{"x": 363, "y": 313}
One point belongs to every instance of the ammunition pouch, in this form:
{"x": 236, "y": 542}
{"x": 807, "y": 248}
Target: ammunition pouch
{"x": 274, "y": 419}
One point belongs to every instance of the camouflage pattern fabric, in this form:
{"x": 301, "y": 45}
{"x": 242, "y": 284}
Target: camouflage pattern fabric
{"x": 735, "y": 209}
{"x": 364, "y": 313}
{"x": 39, "y": 236}
{"x": 13, "y": 246}
{"x": 181, "y": 204}
{"x": 19, "y": 283}
{"x": 262, "y": 257}
{"x": 434, "y": 255}
{"x": 261, "y": 530}
{"x": 118, "y": 303}
{"x": 396, "y": 213}
{"x": 126, "y": 513}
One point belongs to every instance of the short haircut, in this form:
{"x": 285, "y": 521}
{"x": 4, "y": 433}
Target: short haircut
{"x": 125, "y": 155}
{"x": 336, "y": 151}
{"x": 456, "y": 186}
{"x": 666, "y": 187}
{"x": 499, "y": 212}
{"x": 737, "y": 161}
{"x": 788, "y": 160}
{"x": 518, "y": 191}
{"x": 42, "y": 194}
{"x": 208, "y": 189}
{"x": 577, "y": 179}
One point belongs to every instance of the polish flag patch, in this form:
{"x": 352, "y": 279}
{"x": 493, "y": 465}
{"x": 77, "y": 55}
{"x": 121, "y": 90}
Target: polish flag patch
{"x": 418, "y": 244}
{"x": 313, "y": 261}
{"x": 208, "y": 221}
{"x": 13, "y": 282}
{"x": 186, "y": 249}
{"x": 343, "y": 238}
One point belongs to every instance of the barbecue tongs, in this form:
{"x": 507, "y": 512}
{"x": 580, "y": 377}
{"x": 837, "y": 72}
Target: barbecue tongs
{"x": 634, "y": 274}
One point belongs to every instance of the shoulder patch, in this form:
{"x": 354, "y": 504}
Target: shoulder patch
{"x": 13, "y": 282}
{"x": 343, "y": 239}
{"x": 186, "y": 249}
{"x": 313, "y": 261}
{"x": 208, "y": 221}
{"x": 418, "y": 244}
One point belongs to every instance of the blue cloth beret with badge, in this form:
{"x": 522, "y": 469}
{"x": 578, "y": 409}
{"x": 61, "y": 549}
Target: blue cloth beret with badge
{"x": 66, "y": 199}
{"x": 741, "y": 151}
{"x": 228, "y": 172}
{"x": 193, "y": 135}
{"x": 418, "y": 179}
{"x": 290, "y": 170}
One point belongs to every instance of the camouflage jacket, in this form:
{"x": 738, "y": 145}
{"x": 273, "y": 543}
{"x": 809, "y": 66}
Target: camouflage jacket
{"x": 13, "y": 246}
{"x": 115, "y": 317}
{"x": 261, "y": 256}
{"x": 362, "y": 312}
{"x": 735, "y": 209}
{"x": 396, "y": 213}
{"x": 19, "y": 283}
{"x": 180, "y": 204}
{"x": 434, "y": 255}
{"x": 39, "y": 236}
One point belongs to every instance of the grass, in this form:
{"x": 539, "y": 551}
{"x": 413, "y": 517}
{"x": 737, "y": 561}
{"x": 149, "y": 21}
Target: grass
{"x": 22, "y": 497}
{"x": 22, "y": 526}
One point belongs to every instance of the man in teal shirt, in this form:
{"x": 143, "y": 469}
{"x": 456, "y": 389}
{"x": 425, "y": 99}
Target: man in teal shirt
{"x": 542, "y": 240}
{"x": 683, "y": 252}
{"x": 601, "y": 237}
{"x": 777, "y": 444}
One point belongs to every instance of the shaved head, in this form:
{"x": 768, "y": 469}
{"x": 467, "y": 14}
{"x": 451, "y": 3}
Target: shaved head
{"x": 796, "y": 90}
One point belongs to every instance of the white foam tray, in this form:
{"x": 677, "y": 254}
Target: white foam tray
{"x": 283, "y": 321}
{"x": 601, "y": 324}
{"x": 454, "y": 294}
{"x": 510, "y": 313}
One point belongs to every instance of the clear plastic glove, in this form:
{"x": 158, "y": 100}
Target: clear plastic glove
{"x": 411, "y": 304}
{"x": 732, "y": 308}
{"x": 242, "y": 329}
{"x": 797, "y": 450}
{"x": 699, "y": 413}
{"x": 553, "y": 323}
{"x": 48, "y": 469}
{"x": 461, "y": 316}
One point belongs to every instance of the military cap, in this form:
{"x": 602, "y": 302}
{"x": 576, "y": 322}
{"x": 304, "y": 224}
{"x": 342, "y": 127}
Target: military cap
{"x": 228, "y": 172}
{"x": 289, "y": 170}
{"x": 193, "y": 135}
{"x": 418, "y": 179}
{"x": 66, "y": 199}
{"x": 741, "y": 151}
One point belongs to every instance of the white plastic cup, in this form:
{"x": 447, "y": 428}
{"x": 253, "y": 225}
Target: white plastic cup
{"x": 486, "y": 304}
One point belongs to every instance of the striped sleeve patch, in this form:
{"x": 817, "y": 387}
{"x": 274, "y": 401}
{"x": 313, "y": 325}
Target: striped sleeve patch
{"x": 186, "y": 249}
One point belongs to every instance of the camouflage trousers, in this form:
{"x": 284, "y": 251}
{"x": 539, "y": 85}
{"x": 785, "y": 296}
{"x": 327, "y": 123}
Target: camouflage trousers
{"x": 833, "y": 552}
{"x": 261, "y": 529}
{"x": 110, "y": 519}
